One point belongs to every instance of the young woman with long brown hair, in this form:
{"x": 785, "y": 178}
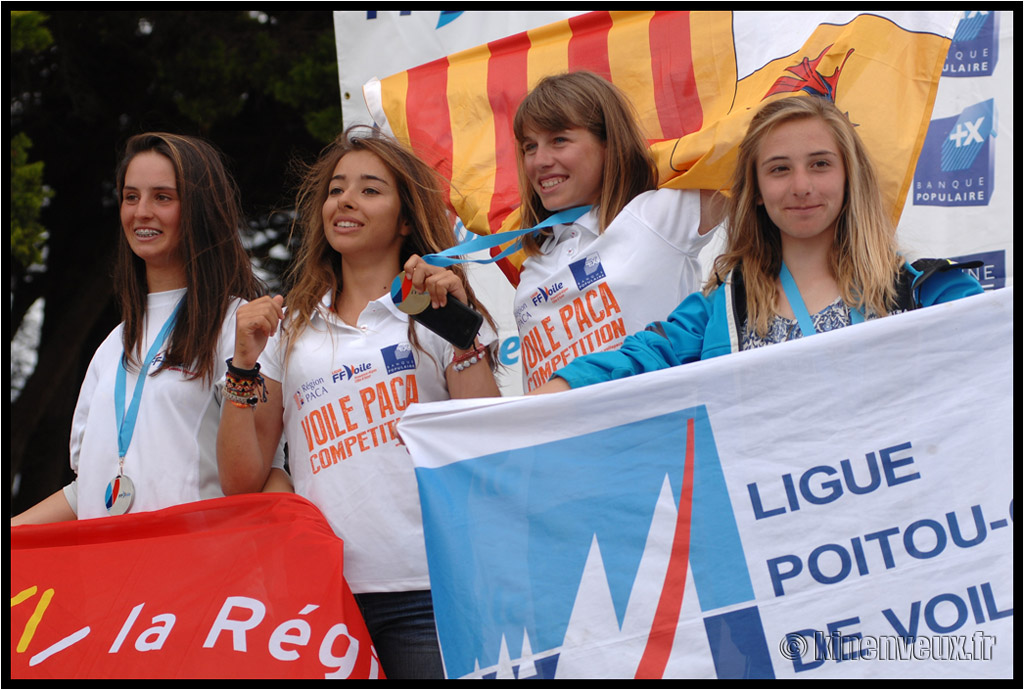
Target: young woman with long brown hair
{"x": 611, "y": 251}
{"x": 344, "y": 366}
{"x": 144, "y": 431}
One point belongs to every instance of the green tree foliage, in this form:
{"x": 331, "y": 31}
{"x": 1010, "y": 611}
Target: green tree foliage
{"x": 29, "y": 32}
{"x": 28, "y": 194}
{"x": 262, "y": 87}
{"x": 27, "y": 198}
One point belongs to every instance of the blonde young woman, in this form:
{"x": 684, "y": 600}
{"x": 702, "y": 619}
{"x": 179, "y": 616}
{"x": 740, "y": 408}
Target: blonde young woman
{"x": 810, "y": 249}
{"x": 144, "y": 431}
{"x": 345, "y": 366}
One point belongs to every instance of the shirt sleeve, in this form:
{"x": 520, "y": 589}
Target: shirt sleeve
{"x": 673, "y": 215}
{"x": 663, "y": 344}
{"x": 271, "y": 360}
{"x": 71, "y": 494}
{"x": 79, "y": 423}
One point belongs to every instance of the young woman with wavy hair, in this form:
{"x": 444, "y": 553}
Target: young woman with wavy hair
{"x": 345, "y": 365}
{"x": 857, "y": 239}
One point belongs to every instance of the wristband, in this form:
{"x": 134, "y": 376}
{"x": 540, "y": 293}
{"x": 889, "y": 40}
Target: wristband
{"x": 244, "y": 387}
{"x": 469, "y": 358}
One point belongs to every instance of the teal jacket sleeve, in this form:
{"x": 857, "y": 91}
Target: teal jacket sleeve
{"x": 677, "y": 340}
{"x": 948, "y": 285}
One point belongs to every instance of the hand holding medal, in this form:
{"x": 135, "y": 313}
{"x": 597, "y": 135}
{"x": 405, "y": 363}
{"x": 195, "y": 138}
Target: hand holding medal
{"x": 436, "y": 307}
{"x": 407, "y": 298}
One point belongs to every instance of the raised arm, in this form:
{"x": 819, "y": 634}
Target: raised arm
{"x": 249, "y": 435}
{"x": 712, "y": 210}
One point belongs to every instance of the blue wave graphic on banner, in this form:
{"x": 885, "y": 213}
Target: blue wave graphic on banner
{"x": 508, "y": 534}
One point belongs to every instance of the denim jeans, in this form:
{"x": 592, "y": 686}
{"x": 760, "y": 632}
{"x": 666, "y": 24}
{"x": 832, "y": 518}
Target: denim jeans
{"x": 401, "y": 625}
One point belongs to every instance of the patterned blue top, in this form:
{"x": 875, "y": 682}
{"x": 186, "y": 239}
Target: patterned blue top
{"x": 781, "y": 329}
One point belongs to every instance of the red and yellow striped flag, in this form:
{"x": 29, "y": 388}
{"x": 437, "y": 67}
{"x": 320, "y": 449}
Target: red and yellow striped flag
{"x": 681, "y": 71}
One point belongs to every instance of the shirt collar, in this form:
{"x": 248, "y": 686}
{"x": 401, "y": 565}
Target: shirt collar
{"x": 326, "y": 312}
{"x": 588, "y": 223}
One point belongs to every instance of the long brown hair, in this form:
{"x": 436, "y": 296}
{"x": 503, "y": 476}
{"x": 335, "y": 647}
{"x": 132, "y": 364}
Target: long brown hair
{"x": 217, "y": 269}
{"x": 584, "y": 99}
{"x": 316, "y": 269}
{"x": 864, "y": 258}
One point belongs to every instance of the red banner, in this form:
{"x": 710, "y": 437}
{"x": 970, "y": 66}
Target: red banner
{"x": 240, "y": 587}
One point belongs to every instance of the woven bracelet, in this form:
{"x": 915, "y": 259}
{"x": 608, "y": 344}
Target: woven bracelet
{"x": 244, "y": 387}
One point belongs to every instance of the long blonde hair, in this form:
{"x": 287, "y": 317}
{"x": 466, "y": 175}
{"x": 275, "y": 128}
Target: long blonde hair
{"x": 583, "y": 99}
{"x": 317, "y": 266}
{"x": 863, "y": 259}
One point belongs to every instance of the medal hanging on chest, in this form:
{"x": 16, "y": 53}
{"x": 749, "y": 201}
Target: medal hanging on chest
{"x": 120, "y": 492}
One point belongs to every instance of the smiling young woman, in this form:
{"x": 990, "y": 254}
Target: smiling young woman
{"x": 579, "y": 145}
{"x": 151, "y": 218}
{"x": 144, "y": 430}
{"x": 361, "y": 215}
{"x": 367, "y": 209}
{"x": 565, "y": 168}
{"x": 801, "y": 179}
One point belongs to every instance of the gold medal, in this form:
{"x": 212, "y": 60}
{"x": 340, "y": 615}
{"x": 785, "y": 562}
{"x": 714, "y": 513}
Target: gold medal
{"x": 407, "y": 298}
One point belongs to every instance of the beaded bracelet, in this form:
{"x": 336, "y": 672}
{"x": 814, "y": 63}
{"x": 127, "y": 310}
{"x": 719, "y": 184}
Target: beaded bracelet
{"x": 469, "y": 358}
{"x": 244, "y": 387}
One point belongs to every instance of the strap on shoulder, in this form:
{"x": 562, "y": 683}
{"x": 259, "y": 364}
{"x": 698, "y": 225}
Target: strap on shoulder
{"x": 910, "y": 280}
{"x": 739, "y": 297}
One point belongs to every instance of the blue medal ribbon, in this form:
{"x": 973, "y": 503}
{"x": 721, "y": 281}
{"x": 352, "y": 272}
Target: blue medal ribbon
{"x": 486, "y": 242}
{"x": 796, "y": 303}
{"x": 400, "y": 286}
{"x": 126, "y": 422}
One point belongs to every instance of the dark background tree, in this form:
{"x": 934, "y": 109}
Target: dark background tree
{"x": 262, "y": 87}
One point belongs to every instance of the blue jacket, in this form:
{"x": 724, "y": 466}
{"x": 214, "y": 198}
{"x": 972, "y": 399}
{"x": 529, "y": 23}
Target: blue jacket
{"x": 705, "y": 327}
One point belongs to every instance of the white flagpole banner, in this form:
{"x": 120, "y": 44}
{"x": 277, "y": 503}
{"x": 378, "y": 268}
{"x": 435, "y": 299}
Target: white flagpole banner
{"x": 833, "y": 507}
{"x": 373, "y": 44}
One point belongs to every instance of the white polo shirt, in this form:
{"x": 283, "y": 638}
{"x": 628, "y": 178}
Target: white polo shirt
{"x": 172, "y": 458}
{"x": 345, "y": 388}
{"x": 585, "y": 292}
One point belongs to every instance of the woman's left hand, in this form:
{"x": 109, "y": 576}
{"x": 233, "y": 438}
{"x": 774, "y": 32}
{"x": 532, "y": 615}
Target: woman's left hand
{"x": 437, "y": 281}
